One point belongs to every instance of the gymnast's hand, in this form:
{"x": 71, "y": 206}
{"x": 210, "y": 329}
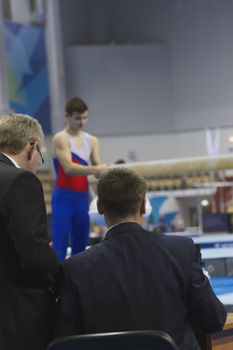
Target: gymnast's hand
{"x": 101, "y": 169}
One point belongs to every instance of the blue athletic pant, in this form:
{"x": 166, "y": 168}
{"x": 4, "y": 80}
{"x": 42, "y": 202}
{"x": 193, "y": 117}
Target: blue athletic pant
{"x": 70, "y": 221}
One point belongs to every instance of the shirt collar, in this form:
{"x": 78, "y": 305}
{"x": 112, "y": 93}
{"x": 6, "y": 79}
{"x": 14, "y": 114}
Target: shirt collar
{"x": 110, "y": 229}
{"x": 121, "y": 228}
{"x": 12, "y": 160}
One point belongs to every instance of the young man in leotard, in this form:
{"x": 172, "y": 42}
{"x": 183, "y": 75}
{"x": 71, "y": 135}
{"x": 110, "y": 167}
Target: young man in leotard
{"x": 76, "y": 155}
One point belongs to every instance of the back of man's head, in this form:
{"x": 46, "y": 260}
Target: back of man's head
{"x": 18, "y": 130}
{"x": 121, "y": 191}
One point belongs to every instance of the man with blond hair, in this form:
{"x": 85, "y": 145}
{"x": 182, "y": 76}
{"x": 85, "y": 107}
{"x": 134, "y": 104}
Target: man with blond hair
{"x": 135, "y": 279}
{"x": 29, "y": 267}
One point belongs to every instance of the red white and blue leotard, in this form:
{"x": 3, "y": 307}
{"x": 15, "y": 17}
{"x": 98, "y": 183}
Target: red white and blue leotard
{"x": 70, "y": 202}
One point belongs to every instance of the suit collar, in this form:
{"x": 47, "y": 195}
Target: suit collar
{"x": 5, "y": 159}
{"x": 123, "y": 227}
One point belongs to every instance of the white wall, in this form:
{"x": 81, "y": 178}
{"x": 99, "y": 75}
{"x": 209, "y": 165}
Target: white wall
{"x": 127, "y": 87}
{"x": 198, "y": 37}
{"x": 164, "y": 146}
{"x": 202, "y": 64}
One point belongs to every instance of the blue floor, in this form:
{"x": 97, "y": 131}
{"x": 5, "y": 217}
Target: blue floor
{"x": 223, "y": 288}
{"x": 222, "y": 285}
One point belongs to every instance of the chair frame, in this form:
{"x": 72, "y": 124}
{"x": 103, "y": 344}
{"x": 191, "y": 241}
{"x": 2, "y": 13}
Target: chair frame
{"x": 130, "y": 340}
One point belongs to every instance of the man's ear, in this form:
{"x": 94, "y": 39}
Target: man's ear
{"x": 143, "y": 206}
{"x": 29, "y": 148}
{"x": 99, "y": 207}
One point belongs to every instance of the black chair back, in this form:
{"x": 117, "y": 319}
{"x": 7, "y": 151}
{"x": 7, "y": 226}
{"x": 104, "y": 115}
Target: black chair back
{"x": 131, "y": 340}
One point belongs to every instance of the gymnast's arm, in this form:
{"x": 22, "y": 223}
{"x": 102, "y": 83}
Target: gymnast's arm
{"x": 95, "y": 151}
{"x": 61, "y": 150}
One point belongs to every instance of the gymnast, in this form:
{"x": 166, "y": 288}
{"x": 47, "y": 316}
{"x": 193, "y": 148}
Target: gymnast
{"x": 76, "y": 155}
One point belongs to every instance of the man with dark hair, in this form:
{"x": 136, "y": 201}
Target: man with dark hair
{"x": 29, "y": 267}
{"x": 74, "y": 150}
{"x": 135, "y": 279}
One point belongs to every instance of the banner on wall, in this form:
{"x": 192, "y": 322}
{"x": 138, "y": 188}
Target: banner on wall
{"x": 27, "y": 72}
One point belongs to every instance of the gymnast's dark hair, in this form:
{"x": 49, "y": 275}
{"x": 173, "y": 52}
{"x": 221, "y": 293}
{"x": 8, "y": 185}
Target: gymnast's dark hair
{"x": 76, "y": 104}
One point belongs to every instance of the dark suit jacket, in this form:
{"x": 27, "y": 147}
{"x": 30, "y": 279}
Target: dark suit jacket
{"x": 28, "y": 265}
{"x": 136, "y": 280}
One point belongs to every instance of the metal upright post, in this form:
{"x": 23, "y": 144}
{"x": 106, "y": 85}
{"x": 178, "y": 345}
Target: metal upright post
{"x": 199, "y": 215}
{"x": 56, "y": 70}
{"x": 4, "y": 100}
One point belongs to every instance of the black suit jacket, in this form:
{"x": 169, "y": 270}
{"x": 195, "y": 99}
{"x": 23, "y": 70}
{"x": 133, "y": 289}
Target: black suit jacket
{"x": 135, "y": 280}
{"x": 28, "y": 265}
